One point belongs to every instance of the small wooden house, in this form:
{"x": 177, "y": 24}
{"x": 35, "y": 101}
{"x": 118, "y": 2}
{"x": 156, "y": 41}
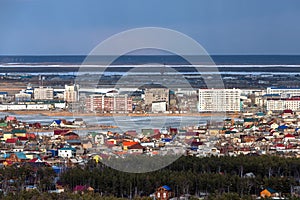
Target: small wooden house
{"x": 163, "y": 193}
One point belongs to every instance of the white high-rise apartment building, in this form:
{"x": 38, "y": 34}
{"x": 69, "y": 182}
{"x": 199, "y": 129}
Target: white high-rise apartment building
{"x": 71, "y": 93}
{"x": 43, "y": 93}
{"x": 219, "y": 100}
{"x": 284, "y": 91}
{"x": 280, "y": 104}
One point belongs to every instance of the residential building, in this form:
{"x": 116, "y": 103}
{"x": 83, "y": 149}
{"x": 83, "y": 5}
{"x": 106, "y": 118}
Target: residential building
{"x": 218, "y": 100}
{"x": 115, "y": 104}
{"x": 43, "y": 93}
{"x": 284, "y": 91}
{"x": 163, "y": 193}
{"x": 21, "y": 97}
{"x": 279, "y": 104}
{"x": 66, "y": 152}
{"x": 3, "y": 96}
{"x": 71, "y": 93}
{"x": 157, "y": 94}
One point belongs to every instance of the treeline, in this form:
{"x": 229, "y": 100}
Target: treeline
{"x": 221, "y": 177}
{"x": 242, "y": 175}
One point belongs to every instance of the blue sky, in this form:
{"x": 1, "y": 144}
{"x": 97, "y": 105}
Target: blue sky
{"x": 64, "y": 27}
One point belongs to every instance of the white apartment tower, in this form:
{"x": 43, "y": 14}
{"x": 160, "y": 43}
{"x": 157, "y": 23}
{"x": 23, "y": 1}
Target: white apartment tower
{"x": 219, "y": 100}
{"x": 43, "y": 93}
{"x": 284, "y": 92}
{"x": 71, "y": 93}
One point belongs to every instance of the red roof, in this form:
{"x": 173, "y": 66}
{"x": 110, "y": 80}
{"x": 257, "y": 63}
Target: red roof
{"x": 280, "y": 145}
{"x": 173, "y": 130}
{"x": 60, "y": 131}
{"x": 156, "y": 131}
{"x": 136, "y": 146}
{"x": 30, "y": 135}
{"x": 11, "y": 140}
{"x": 127, "y": 144}
{"x": 22, "y": 138}
{"x": 289, "y": 136}
{"x": 156, "y": 136}
{"x": 10, "y": 118}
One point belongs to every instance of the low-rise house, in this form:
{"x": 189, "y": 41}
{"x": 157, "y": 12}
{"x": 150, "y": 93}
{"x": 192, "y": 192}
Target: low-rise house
{"x": 78, "y": 122}
{"x": 268, "y": 193}
{"x": 82, "y": 189}
{"x": 66, "y": 152}
{"x": 280, "y": 147}
{"x": 55, "y": 123}
{"x": 136, "y": 149}
{"x": 163, "y": 193}
{"x": 70, "y": 136}
{"x": 289, "y": 137}
{"x": 127, "y": 144}
{"x": 11, "y": 141}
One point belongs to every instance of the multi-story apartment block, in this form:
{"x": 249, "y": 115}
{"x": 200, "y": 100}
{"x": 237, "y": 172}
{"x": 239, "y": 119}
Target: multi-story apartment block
{"x": 219, "y": 100}
{"x": 71, "y": 93}
{"x": 157, "y": 94}
{"x": 280, "y": 104}
{"x": 115, "y": 104}
{"x": 43, "y": 93}
{"x": 284, "y": 91}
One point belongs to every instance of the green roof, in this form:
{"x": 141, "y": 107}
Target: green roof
{"x": 147, "y": 131}
{"x": 250, "y": 120}
{"x": 3, "y": 124}
{"x": 19, "y": 131}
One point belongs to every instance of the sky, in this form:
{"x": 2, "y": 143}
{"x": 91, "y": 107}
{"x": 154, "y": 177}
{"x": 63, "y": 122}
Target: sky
{"x": 75, "y": 27}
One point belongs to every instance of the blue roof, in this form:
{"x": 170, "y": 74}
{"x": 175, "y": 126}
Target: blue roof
{"x": 57, "y": 121}
{"x": 67, "y": 148}
{"x": 166, "y": 187}
{"x": 271, "y": 190}
{"x": 20, "y": 155}
{"x": 282, "y": 127}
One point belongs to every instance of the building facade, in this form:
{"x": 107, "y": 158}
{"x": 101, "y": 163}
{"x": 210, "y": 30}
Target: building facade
{"x": 157, "y": 94}
{"x": 71, "y": 93}
{"x": 283, "y": 91}
{"x": 104, "y": 104}
{"x": 43, "y": 93}
{"x": 219, "y": 100}
{"x": 159, "y": 107}
{"x": 280, "y": 104}
{"x": 21, "y": 97}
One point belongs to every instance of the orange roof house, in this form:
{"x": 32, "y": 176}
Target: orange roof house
{"x": 127, "y": 144}
{"x": 268, "y": 192}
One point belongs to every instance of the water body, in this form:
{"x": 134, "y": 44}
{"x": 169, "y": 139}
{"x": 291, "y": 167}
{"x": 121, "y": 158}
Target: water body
{"x": 227, "y": 65}
{"x": 123, "y": 122}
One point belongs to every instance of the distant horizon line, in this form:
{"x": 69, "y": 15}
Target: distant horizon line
{"x": 81, "y": 55}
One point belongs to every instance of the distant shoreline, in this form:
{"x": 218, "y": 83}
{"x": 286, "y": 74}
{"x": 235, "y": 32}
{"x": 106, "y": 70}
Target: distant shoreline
{"x": 68, "y": 114}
